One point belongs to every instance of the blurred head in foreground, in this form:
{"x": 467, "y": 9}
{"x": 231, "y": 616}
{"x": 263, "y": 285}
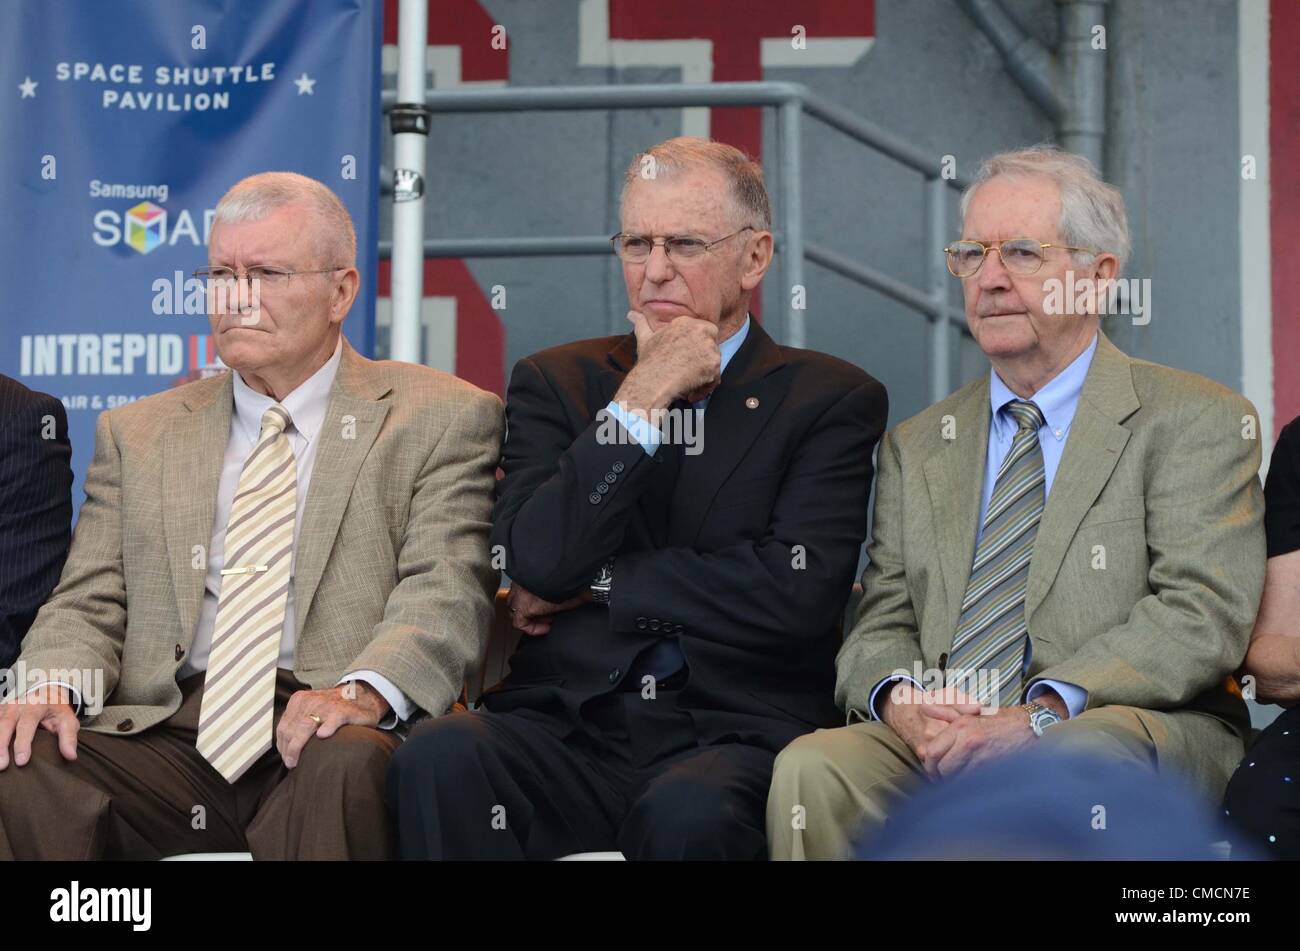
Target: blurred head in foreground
{"x": 1044, "y": 805}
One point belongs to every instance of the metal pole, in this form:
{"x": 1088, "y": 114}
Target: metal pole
{"x": 1082, "y": 125}
{"x": 936, "y": 226}
{"x": 638, "y": 96}
{"x": 410, "y": 124}
{"x": 792, "y": 210}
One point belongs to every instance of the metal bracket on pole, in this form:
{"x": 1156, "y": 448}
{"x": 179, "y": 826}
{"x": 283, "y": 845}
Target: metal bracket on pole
{"x": 409, "y": 121}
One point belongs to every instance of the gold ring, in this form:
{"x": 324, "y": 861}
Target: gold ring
{"x": 313, "y": 717}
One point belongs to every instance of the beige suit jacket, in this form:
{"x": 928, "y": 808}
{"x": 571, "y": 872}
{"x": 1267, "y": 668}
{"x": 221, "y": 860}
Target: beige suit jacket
{"x": 1147, "y": 568}
{"x": 392, "y": 570}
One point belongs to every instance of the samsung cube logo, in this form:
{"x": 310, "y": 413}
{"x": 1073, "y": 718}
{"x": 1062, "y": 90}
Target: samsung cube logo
{"x": 146, "y": 224}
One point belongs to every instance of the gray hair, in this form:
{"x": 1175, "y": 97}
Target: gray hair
{"x": 257, "y": 196}
{"x": 1092, "y": 211}
{"x": 748, "y": 189}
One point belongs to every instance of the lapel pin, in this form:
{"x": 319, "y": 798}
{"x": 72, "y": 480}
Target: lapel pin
{"x": 752, "y": 402}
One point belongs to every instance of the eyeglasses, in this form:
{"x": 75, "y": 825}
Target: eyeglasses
{"x": 266, "y": 275}
{"x": 1019, "y": 255}
{"x": 637, "y": 248}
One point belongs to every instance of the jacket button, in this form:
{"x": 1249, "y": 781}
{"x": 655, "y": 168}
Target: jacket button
{"x": 618, "y": 467}
{"x": 614, "y": 675}
{"x": 640, "y": 624}
{"x": 602, "y": 487}
{"x": 594, "y": 499}
{"x": 125, "y": 726}
{"x": 678, "y": 629}
{"x": 179, "y": 652}
{"x": 654, "y": 624}
{"x": 611, "y": 478}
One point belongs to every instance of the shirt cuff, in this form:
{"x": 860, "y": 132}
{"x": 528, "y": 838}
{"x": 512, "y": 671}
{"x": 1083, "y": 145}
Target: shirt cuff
{"x": 76, "y": 694}
{"x": 1074, "y": 696}
{"x": 402, "y": 707}
{"x": 646, "y": 436}
{"x": 871, "y": 702}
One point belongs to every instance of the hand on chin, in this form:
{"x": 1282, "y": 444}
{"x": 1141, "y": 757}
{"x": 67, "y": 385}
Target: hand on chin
{"x": 694, "y": 396}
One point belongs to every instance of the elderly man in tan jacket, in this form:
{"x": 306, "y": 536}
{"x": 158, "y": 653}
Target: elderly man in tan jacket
{"x": 1067, "y": 552}
{"x": 274, "y": 572}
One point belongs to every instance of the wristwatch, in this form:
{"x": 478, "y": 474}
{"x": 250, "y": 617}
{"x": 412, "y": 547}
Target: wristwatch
{"x": 1041, "y": 717}
{"x": 601, "y": 584}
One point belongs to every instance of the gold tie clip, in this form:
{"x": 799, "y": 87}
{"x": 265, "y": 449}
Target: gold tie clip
{"x": 245, "y": 570}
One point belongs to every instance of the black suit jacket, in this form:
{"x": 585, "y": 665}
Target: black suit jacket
{"x": 748, "y": 564}
{"x": 35, "y": 507}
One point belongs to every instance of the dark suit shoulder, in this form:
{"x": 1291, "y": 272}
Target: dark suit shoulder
{"x": 832, "y": 373}
{"x": 576, "y": 355}
{"x": 17, "y": 399}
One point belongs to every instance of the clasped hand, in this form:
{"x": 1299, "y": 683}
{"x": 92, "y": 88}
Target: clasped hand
{"x": 947, "y": 731}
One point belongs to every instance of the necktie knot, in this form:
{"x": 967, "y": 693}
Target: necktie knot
{"x": 1026, "y": 414}
{"x": 275, "y": 420}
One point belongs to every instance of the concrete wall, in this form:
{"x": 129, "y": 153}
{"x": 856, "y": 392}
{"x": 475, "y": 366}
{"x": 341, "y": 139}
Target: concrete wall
{"x": 931, "y": 78}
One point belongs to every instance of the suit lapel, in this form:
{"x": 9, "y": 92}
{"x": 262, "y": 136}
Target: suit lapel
{"x": 954, "y": 477}
{"x": 729, "y": 428}
{"x": 193, "y": 454}
{"x": 353, "y": 418}
{"x": 1091, "y": 453}
{"x": 618, "y": 362}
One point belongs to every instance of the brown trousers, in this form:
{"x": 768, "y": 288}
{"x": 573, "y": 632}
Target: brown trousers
{"x": 152, "y": 795}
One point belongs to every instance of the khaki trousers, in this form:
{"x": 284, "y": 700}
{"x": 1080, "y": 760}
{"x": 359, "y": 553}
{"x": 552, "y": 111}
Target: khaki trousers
{"x": 152, "y": 794}
{"x": 833, "y": 787}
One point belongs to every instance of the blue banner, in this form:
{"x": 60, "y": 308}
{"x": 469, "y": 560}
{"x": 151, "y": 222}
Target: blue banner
{"x": 124, "y": 121}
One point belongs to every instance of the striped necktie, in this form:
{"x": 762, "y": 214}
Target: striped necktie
{"x": 988, "y": 653}
{"x": 239, "y": 688}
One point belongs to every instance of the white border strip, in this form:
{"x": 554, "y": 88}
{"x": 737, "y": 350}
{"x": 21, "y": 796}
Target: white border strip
{"x": 1256, "y": 247}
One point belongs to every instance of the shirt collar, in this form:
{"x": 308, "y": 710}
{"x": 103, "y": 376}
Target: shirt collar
{"x": 729, "y": 346}
{"x": 1057, "y": 400}
{"x": 305, "y": 405}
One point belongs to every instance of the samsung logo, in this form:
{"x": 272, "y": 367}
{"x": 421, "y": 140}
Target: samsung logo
{"x": 100, "y": 189}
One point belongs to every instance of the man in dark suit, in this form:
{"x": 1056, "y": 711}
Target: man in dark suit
{"x": 35, "y": 507}
{"x": 681, "y": 513}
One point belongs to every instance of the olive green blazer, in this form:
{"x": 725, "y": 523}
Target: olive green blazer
{"x": 1147, "y": 568}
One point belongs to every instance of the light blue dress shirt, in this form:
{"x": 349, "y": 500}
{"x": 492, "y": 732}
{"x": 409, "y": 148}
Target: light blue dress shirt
{"x": 1057, "y": 401}
{"x": 646, "y": 435}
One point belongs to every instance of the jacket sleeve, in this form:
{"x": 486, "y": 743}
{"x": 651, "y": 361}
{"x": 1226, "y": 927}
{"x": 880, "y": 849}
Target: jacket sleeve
{"x": 778, "y": 593}
{"x": 885, "y": 636}
{"x": 1205, "y": 539}
{"x": 83, "y": 624}
{"x": 438, "y": 616}
{"x": 563, "y": 503}
{"x": 35, "y": 515}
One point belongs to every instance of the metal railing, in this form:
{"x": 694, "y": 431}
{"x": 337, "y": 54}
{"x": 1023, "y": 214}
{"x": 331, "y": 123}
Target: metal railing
{"x": 791, "y": 102}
